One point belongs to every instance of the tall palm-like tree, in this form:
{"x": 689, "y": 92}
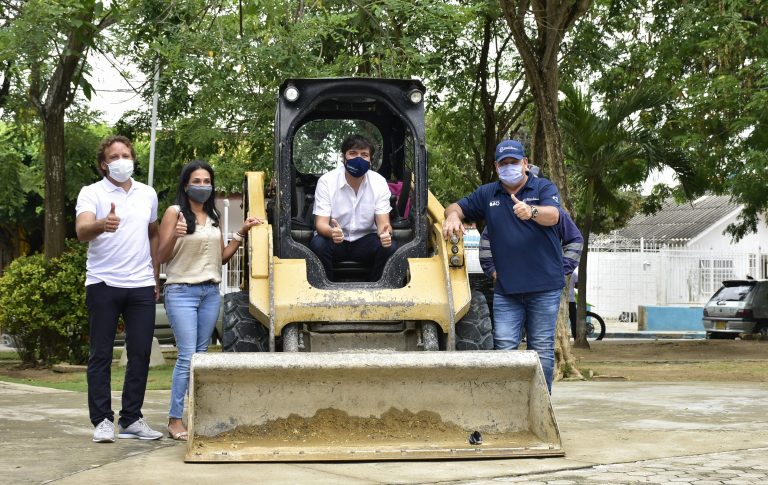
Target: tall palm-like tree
{"x": 609, "y": 152}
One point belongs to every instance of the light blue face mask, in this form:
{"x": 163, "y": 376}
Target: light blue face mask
{"x": 511, "y": 174}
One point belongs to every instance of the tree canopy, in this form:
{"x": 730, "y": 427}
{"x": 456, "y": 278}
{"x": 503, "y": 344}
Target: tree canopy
{"x": 221, "y": 62}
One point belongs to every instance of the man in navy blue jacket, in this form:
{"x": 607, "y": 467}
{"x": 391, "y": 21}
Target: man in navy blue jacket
{"x": 573, "y": 243}
{"x": 520, "y": 212}
{"x": 570, "y": 236}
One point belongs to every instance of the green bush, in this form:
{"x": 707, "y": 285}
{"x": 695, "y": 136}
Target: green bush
{"x": 42, "y": 306}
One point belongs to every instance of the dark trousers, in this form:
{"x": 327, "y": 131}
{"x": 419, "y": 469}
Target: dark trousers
{"x": 572, "y": 317}
{"x": 367, "y": 251}
{"x": 137, "y": 306}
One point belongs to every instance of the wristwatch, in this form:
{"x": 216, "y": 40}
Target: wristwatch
{"x": 534, "y": 212}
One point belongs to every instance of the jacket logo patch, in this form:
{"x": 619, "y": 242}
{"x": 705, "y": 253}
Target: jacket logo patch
{"x": 494, "y": 203}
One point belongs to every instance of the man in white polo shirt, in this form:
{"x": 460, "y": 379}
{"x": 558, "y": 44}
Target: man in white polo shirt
{"x": 117, "y": 216}
{"x": 352, "y": 212}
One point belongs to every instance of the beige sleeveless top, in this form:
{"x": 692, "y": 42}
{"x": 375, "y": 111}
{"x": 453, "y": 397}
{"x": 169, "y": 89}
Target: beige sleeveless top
{"x": 196, "y": 258}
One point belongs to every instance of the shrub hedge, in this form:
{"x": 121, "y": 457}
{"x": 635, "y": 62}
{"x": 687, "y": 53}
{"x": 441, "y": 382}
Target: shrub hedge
{"x": 42, "y": 306}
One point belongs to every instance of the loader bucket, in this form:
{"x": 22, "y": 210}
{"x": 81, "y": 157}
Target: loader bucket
{"x": 369, "y": 406}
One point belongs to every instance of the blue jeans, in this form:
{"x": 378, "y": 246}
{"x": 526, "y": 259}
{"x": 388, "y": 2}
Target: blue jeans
{"x": 537, "y": 313}
{"x": 192, "y": 312}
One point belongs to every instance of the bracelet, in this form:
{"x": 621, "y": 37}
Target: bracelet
{"x": 237, "y": 237}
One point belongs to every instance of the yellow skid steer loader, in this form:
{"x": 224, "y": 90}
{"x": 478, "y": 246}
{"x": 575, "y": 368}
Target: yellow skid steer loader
{"x": 346, "y": 368}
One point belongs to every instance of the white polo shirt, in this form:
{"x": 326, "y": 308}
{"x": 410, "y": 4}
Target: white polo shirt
{"x": 354, "y": 212}
{"x": 121, "y": 258}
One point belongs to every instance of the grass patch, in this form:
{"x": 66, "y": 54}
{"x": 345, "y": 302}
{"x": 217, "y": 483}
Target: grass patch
{"x": 671, "y": 371}
{"x": 9, "y": 355}
{"x": 159, "y": 378}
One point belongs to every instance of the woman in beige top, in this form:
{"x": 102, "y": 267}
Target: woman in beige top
{"x": 192, "y": 244}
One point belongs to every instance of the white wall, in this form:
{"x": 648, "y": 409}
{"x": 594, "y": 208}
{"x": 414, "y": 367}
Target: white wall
{"x": 716, "y": 239}
{"x": 621, "y": 281}
{"x": 235, "y": 211}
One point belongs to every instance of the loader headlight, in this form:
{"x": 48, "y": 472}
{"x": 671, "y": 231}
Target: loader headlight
{"x": 415, "y": 96}
{"x": 291, "y": 93}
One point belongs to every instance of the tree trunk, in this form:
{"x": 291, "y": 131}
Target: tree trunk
{"x": 581, "y": 301}
{"x": 566, "y": 365}
{"x": 55, "y": 222}
{"x": 552, "y": 20}
{"x": 488, "y": 103}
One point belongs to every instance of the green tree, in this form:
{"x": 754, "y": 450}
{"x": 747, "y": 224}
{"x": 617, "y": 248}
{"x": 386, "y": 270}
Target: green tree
{"x": 222, "y": 62}
{"x": 539, "y": 29}
{"x": 609, "y": 153}
{"x": 45, "y": 46}
{"x": 714, "y": 58}
{"x": 481, "y": 102}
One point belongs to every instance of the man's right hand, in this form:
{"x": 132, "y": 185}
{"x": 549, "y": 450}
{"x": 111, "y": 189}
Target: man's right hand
{"x": 337, "y": 234}
{"x": 452, "y": 225}
{"x": 111, "y": 222}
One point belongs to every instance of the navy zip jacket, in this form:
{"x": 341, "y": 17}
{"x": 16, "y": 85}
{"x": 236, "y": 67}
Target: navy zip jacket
{"x": 570, "y": 237}
{"x": 528, "y": 256}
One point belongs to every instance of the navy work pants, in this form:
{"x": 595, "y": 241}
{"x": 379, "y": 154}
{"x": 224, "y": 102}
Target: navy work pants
{"x": 137, "y": 306}
{"x": 367, "y": 251}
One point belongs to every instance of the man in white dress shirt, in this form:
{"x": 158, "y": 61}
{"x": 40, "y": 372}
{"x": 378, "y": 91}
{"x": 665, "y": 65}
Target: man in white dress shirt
{"x": 352, "y": 212}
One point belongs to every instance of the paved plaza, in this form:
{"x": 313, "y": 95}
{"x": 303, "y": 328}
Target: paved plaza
{"x": 613, "y": 432}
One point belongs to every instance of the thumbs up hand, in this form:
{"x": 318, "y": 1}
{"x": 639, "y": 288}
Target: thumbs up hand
{"x": 111, "y": 222}
{"x": 385, "y": 235}
{"x": 337, "y": 233}
{"x": 181, "y": 225}
{"x": 522, "y": 210}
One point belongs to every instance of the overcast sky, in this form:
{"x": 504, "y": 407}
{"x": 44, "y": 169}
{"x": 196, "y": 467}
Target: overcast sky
{"x": 112, "y": 94}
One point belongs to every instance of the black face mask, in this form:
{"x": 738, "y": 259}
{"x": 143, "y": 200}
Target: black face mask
{"x": 199, "y": 193}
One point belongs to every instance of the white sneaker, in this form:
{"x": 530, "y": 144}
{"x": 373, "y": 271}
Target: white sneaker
{"x": 104, "y": 432}
{"x": 141, "y": 430}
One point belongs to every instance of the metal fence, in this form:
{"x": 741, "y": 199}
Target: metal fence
{"x": 231, "y": 272}
{"x": 622, "y": 277}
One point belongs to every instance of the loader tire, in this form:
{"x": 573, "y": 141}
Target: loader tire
{"x": 475, "y": 331}
{"x": 242, "y": 332}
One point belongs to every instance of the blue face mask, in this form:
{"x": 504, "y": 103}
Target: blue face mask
{"x": 358, "y": 166}
{"x": 511, "y": 174}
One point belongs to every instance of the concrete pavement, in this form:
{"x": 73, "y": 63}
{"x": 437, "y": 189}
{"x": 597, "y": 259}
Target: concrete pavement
{"x": 618, "y": 429}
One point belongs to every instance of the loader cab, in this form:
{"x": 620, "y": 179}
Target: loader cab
{"x": 313, "y": 117}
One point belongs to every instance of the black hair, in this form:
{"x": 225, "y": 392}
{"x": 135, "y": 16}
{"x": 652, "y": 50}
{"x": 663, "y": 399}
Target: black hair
{"x": 182, "y": 200}
{"x": 357, "y": 141}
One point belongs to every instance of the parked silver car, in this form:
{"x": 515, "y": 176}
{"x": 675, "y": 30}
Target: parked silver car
{"x": 738, "y": 307}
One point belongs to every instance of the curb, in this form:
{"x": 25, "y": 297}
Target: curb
{"x": 653, "y": 335}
